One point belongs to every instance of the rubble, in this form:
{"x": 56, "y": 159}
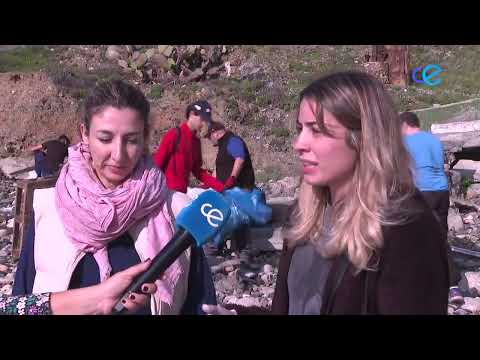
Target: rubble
{"x": 470, "y": 283}
{"x": 7, "y": 265}
{"x": 250, "y": 283}
{"x": 286, "y": 187}
{"x": 473, "y": 191}
{"x": 472, "y": 305}
{"x": 462, "y": 154}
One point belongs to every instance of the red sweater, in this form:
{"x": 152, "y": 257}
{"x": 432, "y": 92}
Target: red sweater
{"x": 186, "y": 159}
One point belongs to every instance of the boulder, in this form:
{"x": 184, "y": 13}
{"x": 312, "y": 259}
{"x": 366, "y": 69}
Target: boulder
{"x": 455, "y": 221}
{"x": 468, "y": 169}
{"x": 159, "y": 61}
{"x": 470, "y": 218}
{"x": 123, "y": 64}
{"x": 267, "y": 291}
{"x": 12, "y": 164}
{"x": 244, "y": 301}
{"x": 472, "y": 143}
{"x": 165, "y": 50}
{"x": 285, "y": 187}
{"x": 462, "y": 312}
{"x": 456, "y": 127}
{"x": 455, "y": 142}
{"x": 470, "y": 282}
{"x": 114, "y": 52}
{"x": 281, "y": 208}
{"x": 473, "y": 191}
{"x": 267, "y": 269}
{"x": 472, "y": 305}
{"x": 226, "y": 285}
{"x": 265, "y": 238}
{"x": 140, "y": 61}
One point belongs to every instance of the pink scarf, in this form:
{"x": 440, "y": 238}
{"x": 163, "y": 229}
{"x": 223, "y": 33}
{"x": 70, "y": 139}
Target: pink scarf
{"x": 94, "y": 216}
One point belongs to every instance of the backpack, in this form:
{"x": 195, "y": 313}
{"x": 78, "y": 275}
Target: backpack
{"x": 177, "y": 140}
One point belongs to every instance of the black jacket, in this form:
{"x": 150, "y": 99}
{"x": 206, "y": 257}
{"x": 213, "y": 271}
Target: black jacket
{"x": 224, "y": 164}
{"x": 412, "y": 276}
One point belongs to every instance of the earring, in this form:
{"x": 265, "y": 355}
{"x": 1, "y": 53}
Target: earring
{"x": 353, "y": 140}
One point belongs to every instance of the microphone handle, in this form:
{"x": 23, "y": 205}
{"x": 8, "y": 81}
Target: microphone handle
{"x": 180, "y": 242}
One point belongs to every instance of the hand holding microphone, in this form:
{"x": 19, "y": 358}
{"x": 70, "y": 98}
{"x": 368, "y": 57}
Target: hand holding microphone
{"x": 197, "y": 224}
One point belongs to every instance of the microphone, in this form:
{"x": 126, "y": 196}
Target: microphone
{"x": 197, "y": 224}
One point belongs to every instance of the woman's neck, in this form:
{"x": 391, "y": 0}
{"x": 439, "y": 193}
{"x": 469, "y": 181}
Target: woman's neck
{"x": 106, "y": 184}
{"x": 338, "y": 191}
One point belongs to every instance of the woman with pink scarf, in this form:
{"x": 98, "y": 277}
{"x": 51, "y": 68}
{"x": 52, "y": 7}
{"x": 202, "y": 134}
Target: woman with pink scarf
{"x": 110, "y": 208}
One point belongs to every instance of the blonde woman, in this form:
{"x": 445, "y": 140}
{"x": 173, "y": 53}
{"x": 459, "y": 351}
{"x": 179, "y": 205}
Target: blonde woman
{"x": 362, "y": 239}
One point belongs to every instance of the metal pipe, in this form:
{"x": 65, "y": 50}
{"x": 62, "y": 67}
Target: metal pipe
{"x": 465, "y": 251}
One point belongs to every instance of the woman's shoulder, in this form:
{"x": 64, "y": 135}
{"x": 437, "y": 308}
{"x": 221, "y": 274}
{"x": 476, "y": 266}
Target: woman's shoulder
{"x": 44, "y": 199}
{"x": 176, "y": 201}
{"x": 413, "y": 210}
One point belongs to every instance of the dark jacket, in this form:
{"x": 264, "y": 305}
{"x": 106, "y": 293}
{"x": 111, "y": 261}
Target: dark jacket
{"x": 55, "y": 154}
{"x": 224, "y": 164}
{"x": 412, "y": 276}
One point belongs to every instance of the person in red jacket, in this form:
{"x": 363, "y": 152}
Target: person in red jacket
{"x": 180, "y": 151}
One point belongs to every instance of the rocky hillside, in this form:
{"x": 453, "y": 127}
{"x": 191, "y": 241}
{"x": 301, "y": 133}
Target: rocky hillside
{"x": 253, "y": 89}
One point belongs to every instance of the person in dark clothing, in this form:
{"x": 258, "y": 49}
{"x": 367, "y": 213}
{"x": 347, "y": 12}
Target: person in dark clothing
{"x": 180, "y": 151}
{"x": 427, "y": 154}
{"x": 362, "y": 239}
{"x": 233, "y": 167}
{"x": 233, "y": 164}
{"x": 50, "y": 155}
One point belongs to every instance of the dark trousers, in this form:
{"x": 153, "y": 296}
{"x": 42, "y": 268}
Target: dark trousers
{"x": 439, "y": 202}
{"x": 239, "y": 241}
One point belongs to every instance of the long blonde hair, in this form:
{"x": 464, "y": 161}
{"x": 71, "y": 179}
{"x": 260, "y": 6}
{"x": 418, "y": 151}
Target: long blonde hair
{"x": 382, "y": 178}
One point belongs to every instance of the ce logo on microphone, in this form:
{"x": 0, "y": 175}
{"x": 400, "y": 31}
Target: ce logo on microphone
{"x": 214, "y": 214}
{"x": 428, "y": 73}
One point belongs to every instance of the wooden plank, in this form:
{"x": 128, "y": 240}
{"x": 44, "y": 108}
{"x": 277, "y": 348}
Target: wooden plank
{"x": 23, "y": 208}
{"x": 30, "y": 168}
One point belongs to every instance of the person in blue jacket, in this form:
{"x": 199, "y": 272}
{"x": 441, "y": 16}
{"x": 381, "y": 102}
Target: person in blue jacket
{"x": 426, "y": 151}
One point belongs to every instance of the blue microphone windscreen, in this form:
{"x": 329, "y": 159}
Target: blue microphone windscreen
{"x": 205, "y": 216}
